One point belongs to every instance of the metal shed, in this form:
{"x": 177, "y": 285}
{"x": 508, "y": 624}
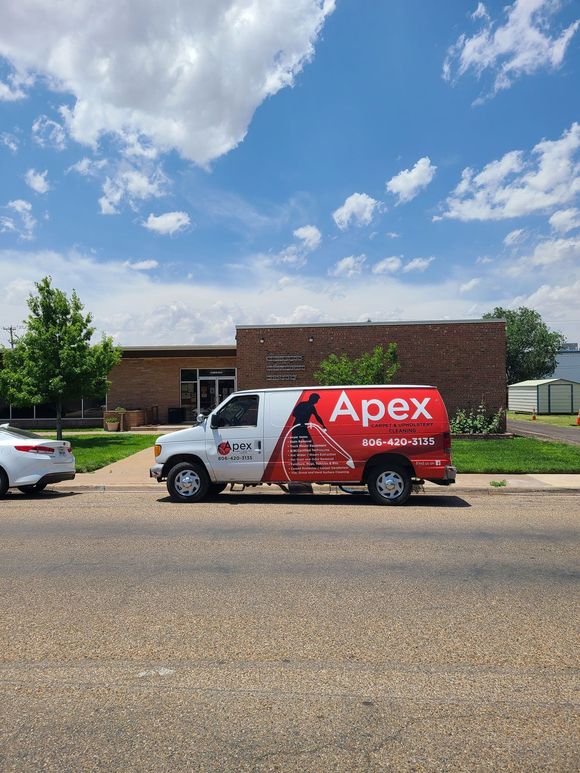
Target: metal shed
{"x": 547, "y": 395}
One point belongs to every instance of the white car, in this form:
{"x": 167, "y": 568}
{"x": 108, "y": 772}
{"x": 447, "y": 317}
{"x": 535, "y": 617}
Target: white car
{"x": 29, "y": 462}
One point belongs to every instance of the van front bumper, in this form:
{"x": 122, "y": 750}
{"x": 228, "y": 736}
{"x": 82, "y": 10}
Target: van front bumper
{"x": 156, "y": 472}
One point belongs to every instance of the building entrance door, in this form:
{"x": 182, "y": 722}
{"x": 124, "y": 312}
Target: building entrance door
{"x": 212, "y": 391}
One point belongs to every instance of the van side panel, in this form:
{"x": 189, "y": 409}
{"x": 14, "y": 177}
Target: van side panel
{"x": 331, "y": 434}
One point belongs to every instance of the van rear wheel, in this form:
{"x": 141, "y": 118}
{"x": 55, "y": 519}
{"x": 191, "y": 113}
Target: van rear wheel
{"x": 187, "y": 482}
{"x": 389, "y": 485}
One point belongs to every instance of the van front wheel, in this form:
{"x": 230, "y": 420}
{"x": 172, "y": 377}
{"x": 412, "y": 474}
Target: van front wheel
{"x": 187, "y": 482}
{"x": 389, "y": 485}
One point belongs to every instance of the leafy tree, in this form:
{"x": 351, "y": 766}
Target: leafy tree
{"x": 376, "y": 367}
{"x": 53, "y": 360}
{"x": 532, "y": 347}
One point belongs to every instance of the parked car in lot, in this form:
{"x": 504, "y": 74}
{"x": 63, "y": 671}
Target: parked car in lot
{"x": 29, "y": 462}
{"x": 383, "y": 437}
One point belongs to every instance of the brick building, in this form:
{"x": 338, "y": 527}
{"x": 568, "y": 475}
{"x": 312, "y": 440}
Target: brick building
{"x": 465, "y": 359}
{"x": 169, "y": 384}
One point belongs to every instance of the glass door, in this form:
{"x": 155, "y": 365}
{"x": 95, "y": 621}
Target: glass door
{"x": 226, "y": 387}
{"x": 208, "y": 395}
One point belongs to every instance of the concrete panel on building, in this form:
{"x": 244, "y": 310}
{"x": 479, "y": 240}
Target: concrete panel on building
{"x": 568, "y": 366}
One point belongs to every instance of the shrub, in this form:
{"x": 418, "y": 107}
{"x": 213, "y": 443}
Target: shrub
{"x": 477, "y": 421}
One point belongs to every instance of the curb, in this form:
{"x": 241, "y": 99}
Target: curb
{"x": 449, "y": 491}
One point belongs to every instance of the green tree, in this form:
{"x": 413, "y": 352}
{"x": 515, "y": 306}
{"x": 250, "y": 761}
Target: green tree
{"x": 54, "y": 360}
{"x": 376, "y": 367}
{"x": 532, "y": 347}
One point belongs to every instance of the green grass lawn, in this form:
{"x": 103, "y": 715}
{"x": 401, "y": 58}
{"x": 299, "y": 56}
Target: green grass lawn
{"x": 97, "y": 450}
{"x": 558, "y": 421}
{"x": 517, "y": 455}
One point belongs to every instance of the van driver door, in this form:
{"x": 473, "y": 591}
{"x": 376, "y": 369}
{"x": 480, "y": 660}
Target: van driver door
{"x": 235, "y": 439}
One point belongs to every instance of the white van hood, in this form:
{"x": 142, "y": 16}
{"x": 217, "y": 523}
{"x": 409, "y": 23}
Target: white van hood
{"x": 188, "y": 434}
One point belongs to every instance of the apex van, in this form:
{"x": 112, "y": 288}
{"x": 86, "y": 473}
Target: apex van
{"x": 384, "y": 437}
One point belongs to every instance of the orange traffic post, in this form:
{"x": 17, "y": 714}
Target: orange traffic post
{"x": 533, "y": 414}
{"x": 578, "y": 419}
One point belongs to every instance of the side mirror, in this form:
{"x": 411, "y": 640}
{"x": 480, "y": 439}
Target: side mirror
{"x": 217, "y": 421}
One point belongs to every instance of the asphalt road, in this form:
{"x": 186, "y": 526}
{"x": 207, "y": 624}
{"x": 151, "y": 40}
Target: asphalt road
{"x": 264, "y": 633}
{"x": 539, "y": 429}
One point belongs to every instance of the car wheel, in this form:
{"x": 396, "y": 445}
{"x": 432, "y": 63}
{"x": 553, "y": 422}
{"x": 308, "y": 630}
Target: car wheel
{"x": 3, "y": 482}
{"x": 187, "y": 482}
{"x": 389, "y": 485}
{"x": 35, "y": 488}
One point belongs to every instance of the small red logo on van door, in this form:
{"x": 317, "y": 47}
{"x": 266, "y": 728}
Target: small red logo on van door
{"x": 224, "y": 448}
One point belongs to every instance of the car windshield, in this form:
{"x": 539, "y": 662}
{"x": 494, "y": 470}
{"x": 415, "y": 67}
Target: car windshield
{"x": 17, "y": 432}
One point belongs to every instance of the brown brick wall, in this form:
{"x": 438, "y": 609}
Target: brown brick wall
{"x": 143, "y": 382}
{"x": 466, "y": 361}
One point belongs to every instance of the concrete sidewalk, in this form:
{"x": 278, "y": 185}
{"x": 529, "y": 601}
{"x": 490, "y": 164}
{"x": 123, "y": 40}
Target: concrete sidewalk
{"x": 132, "y": 473}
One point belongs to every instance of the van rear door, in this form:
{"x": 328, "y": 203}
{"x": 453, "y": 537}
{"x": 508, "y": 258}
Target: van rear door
{"x": 235, "y": 439}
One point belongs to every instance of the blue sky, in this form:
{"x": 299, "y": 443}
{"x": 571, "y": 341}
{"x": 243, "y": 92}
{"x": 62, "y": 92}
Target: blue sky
{"x": 253, "y": 161}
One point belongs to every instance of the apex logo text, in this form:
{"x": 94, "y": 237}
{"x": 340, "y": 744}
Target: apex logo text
{"x": 398, "y": 409}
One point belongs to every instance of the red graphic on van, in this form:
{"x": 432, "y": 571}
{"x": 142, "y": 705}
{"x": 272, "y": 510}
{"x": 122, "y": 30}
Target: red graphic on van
{"x": 331, "y": 434}
{"x": 224, "y": 448}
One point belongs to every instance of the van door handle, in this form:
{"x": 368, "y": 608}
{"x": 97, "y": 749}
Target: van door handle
{"x": 259, "y": 445}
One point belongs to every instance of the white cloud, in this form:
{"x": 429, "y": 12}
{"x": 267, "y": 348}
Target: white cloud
{"x": 310, "y": 236}
{"x": 87, "y": 167}
{"x": 131, "y": 185}
{"x": 392, "y": 234}
{"x": 388, "y": 265}
{"x": 484, "y": 260}
{"x": 19, "y": 219}
{"x": 10, "y": 141}
{"x": 169, "y": 223}
{"x": 185, "y": 76}
{"x": 37, "y": 181}
{"x": 515, "y": 186}
{"x": 141, "y": 265}
{"x": 15, "y": 88}
{"x": 565, "y": 220}
{"x": 524, "y": 44}
{"x": 358, "y": 208}
{"x": 139, "y": 308}
{"x": 408, "y": 183}
{"x": 417, "y": 264}
{"x": 557, "y": 303}
{"x": 470, "y": 285}
{"x": 348, "y": 267}
{"x": 480, "y": 12}
{"x": 48, "y": 133}
{"x": 514, "y": 237}
{"x": 554, "y": 251}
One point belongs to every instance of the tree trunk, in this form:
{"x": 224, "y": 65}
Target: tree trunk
{"x": 59, "y": 419}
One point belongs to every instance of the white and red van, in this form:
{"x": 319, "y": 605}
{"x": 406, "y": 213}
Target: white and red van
{"x": 384, "y": 437}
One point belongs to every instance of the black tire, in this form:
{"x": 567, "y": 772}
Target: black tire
{"x": 3, "y": 482}
{"x": 215, "y": 488}
{"x": 35, "y": 488}
{"x": 187, "y": 482}
{"x": 389, "y": 485}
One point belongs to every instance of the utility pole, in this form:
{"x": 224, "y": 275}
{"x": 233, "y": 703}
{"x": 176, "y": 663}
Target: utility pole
{"x": 10, "y": 330}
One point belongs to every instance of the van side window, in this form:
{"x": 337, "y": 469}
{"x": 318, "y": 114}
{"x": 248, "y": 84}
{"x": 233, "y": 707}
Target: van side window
{"x": 241, "y": 411}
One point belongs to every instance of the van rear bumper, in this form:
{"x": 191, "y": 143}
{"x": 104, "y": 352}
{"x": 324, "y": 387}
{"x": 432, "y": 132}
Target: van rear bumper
{"x": 448, "y": 476}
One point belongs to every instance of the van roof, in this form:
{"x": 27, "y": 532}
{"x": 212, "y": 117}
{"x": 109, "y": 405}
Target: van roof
{"x": 340, "y": 386}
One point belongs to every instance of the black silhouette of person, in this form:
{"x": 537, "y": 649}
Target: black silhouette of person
{"x": 303, "y": 413}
